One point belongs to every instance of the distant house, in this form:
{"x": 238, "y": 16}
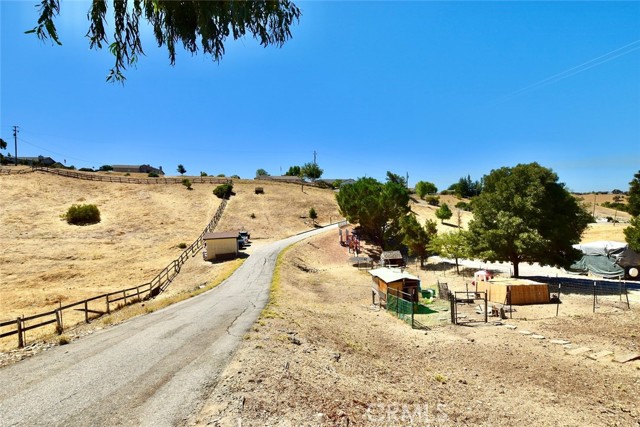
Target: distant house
{"x": 396, "y": 282}
{"x": 40, "y": 161}
{"x": 221, "y": 245}
{"x": 138, "y": 169}
{"x": 342, "y": 182}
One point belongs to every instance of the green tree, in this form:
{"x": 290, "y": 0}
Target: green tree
{"x": 417, "y": 238}
{"x": 377, "y": 207}
{"x": 443, "y": 212}
{"x": 633, "y": 199}
{"x": 467, "y": 188}
{"x": 311, "y": 171}
{"x": 452, "y": 245}
{"x": 181, "y": 170}
{"x": 293, "y": 171}
{"x": 262, "y": 172}
{"x": 193, "y": 24}
{"x": 202, "y": 173}
{"x": 632, "y": 233}
{"x": 525, "y": 215}
{"x": 313, "y": 215}
{"x": 3, "y": 144}
{"x": 423, "y": 188}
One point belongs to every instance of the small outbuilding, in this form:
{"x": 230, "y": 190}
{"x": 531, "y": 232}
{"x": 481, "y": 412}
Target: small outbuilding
{"x": 394, "y": 281}
{"x": 514, "y": 291}
{"x": 391, "y": 259}
{"x": 221, "y": 245}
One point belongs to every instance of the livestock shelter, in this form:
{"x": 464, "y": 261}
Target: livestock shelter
{"x": 221, "y": 245}
{"x": 514, "y": 291}
{"x": 607, "y": 259}
{"x": 394, "y": 279}
{"x": 391, "y": 259}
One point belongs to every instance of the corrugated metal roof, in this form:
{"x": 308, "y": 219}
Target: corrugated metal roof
{"x": 391, "y": 255}
{"x": 392, "y": 274}
{"x": 220, "y": 235}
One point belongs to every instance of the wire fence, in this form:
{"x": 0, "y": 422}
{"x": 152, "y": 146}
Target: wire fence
{"x": 91, "y": 308}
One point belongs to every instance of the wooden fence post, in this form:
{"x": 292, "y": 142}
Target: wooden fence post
{"x": 20, "y": 336}
{"x": 86, "y": 311}
{"x": 59, "y": 322}
{"x": 108, "y": 308}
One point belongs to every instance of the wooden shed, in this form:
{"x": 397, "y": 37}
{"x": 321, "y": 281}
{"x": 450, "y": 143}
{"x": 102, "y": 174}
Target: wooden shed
{"x": 390, "y": 279}
{"x": 391, "y": 259}
{"x": 221, "y": 245}
{"x": 515, "y": 291}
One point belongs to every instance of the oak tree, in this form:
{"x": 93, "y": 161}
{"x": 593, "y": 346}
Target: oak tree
{"x": 525, "y": 215}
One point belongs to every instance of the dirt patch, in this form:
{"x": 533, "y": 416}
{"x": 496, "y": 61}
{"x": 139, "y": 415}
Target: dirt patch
{"x": 323, "y": 355}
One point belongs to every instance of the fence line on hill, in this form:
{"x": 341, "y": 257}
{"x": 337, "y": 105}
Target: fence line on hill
{"x": 9, "y": 171}
{"x": 95, "y": 306}
{"x": 91, "y": 176}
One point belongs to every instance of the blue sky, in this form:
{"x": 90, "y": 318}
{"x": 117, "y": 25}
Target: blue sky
{"x": 438, "y": 90}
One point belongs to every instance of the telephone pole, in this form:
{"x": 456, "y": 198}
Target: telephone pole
{"x": 314, "y": 156}
{"x": 15, "y": 140}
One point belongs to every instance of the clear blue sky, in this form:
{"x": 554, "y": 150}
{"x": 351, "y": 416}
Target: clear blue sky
{"x": 438, "y": 90}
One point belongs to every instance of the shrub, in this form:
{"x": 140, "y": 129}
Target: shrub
{"x": 82, "y": 215}
{"x": 127, "y": 174}
{"x": 253, "y": 216}
{"x": 182, "y": 245}
{"x": 221, "y": 175}
{"x": 63, "y": 340}
{"x": 186, "y": 183}
{"x": 86, "y": 170}
{"x": 153, "y": 175}
{"x": 203, "y": 174}
{"x": 223, "y": 191}
{"x": 464, "y": 206}
{"x": 433, "y": 200}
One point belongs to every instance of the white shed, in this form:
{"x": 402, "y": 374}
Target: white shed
{"x": 221, "y": 245}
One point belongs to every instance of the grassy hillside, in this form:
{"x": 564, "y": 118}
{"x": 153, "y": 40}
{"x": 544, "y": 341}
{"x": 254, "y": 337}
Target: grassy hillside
{"x": 45, "y": 261}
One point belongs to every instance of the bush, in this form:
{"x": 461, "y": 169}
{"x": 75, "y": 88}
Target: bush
{"x": 203, "y": 174}
{"x": 253, "y": 215}
{"x": 86, "y": 170}
{"x": 186, "y": 183}
{"x": 153, "y": 175}
{"x": 223, "y": 191}
{"x": 433, "y": 200}
{"x": 82, "y": 215}
{"x": 182, "y": 245}
{"x": 463, "y": 206}
{"x": 127, "y": 174}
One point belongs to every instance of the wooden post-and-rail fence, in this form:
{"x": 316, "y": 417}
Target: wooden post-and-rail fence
{"x": 91, "y": 176}
{"x": 103, "y": 304}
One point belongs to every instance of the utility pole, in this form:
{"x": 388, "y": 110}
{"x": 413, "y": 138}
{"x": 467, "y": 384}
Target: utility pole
{"x": 15, "y": 140}
{"x": 314, "y": 156}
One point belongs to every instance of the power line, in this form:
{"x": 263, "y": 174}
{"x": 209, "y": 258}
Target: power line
{"x": 55, "y": 152}
{"x": 602, "y": 59}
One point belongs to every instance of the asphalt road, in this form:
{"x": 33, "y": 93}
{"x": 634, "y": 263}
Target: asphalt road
{"x": 154, "y": 370}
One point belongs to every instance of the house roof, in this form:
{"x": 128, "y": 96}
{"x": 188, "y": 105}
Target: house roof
{"x": 220, "y": 235}
{"x": 391, "y": 255}
{"x": 392, "y": 274}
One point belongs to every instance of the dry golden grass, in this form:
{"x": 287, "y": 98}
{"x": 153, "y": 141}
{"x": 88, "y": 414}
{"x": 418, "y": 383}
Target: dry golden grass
{"x": 46, "y": 261}
{"x": 280, "y": 212}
